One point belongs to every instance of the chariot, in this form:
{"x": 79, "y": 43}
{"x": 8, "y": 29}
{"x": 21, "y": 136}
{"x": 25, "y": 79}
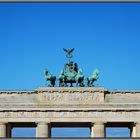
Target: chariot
{"x": 71, "y": 74}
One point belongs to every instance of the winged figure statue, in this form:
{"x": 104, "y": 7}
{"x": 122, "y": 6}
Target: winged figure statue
{"x": 68, "y": 52}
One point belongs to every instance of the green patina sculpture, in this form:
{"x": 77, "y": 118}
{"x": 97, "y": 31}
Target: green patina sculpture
{"x": 94, "y": 77}
{"x": 68, "y": 52}
{"x": 71, "y": 74}
{"x": 50, "y": 77}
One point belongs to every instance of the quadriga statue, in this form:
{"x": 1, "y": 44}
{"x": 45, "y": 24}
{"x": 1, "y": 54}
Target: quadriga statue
{"x": 71, "y": 74}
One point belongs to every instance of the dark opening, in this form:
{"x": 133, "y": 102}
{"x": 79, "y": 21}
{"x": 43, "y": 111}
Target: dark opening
{"x": 70, "y": 129}
{"x": 23, "y": 132}
{"x": 118, "y": 129}
{"x": 70, "y": 132}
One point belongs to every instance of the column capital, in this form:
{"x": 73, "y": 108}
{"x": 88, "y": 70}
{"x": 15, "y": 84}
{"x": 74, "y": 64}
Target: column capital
{"x": 98, "y": 123}
{"x": 42, "y": 123}
{"x": 3, "y": 123}
{"x": 136, "y": 122}
{"x": 98, "y": 129}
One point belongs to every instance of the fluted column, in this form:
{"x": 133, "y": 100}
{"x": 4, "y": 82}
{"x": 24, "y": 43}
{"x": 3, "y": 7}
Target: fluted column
{"x": 137, "y": 127}
{"x": 92, "y": 130}
{"x": 2, "y": 130}
{"x": 98, "y": 129}
{"x": 133, "y": 130}
{"x": 8, "y": 130}
{"x": 42, "y": 130}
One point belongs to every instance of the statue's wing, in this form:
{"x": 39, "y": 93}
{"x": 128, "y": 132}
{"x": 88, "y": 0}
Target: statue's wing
{"x": 71, "y": 50}
{"x": 65, "y": 50}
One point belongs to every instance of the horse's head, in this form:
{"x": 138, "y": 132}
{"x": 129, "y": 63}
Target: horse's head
{"x": 96, "y": 74}
{"x": 61, "y": 73}
{"x": 46, "y": 71}
{"x": 47, "y": 74}
{"x": 80, "y": 71}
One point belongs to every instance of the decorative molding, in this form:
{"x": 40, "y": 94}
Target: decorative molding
{"x": 71, "y": 89}
{"x": 73, "y": 114}
{"x": 124, "y": 92}
{"x": 86, "y": 108}
{"x": 69, "y": 0}
{"x": 17, "y": 91}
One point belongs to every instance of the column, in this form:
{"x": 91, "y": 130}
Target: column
{"x": 98, "y": 129}
{"x": 2, "y": 130}
{"x": 42, "y": 129}
{"x": 8, "y": 130}
{"x": 137, "y": 127}
{"x": 92, "y": 130}
{"x": 132, "y": 130}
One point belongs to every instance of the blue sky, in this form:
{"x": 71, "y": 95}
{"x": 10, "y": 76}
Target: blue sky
{"x": 105, "y": 36}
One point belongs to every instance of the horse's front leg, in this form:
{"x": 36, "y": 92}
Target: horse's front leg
{"x": 71, "y": 84}
{"x": 76, "y": 83}
{"x": 92, "y": 83}
{"x": 82, "y": 82}
{"x": 88, "y": 82}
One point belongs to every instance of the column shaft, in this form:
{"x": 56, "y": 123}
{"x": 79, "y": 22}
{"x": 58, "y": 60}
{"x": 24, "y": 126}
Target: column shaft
{"x": 137, "y": 125}
{"x": 2, "y": 130}
{"x": 42, "y": 130}
{"x": 92, "y": 130}
{"x": 8, "y": 130}
{"x": 132, "y": 130}
{"x": 98, "y": 130}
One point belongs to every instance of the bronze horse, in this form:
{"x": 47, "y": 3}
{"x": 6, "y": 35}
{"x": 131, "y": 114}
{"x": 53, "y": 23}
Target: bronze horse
{"x": 50, "y": 77}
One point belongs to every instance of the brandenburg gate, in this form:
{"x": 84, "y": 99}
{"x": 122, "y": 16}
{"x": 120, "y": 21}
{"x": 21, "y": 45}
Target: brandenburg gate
{"x": 66, "y": 105}
{"x": 46, "y": 107}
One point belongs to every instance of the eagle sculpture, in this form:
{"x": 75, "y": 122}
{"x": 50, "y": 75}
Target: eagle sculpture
{"x": 68, "y": 52}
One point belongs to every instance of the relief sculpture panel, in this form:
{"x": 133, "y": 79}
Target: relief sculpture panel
{"x": 71, "y": 98}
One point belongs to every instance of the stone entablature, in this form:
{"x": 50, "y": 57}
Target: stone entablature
{"x": 123, "y": 96}
{"x": 69, "y": 96}
{"x": 70, "y": 116}
{"x": 54, "y": 96}
{"x": 45, "y": 105}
